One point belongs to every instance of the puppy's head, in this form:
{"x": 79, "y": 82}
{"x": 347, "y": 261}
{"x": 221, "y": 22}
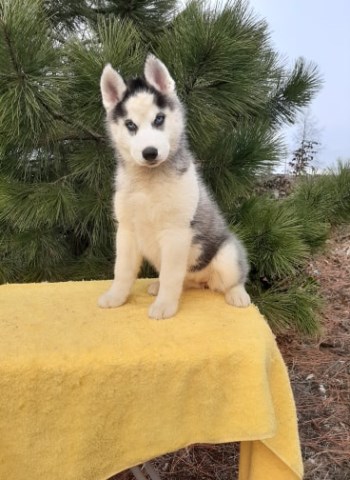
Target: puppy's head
{"x": 144, "y": 115}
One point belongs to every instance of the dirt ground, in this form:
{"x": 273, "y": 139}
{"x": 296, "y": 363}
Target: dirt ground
{"x": 320, "y": 375}
{"x": 320, "y": 370}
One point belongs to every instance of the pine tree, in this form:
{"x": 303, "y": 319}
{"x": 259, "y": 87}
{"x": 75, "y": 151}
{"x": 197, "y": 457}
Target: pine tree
{"x": 57, "y": 167}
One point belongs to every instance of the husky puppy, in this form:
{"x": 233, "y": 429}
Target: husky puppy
{"x": 164, "y": 212}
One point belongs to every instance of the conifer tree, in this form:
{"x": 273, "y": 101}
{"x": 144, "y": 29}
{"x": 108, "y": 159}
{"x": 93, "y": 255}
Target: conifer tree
{"x": 56, "y": 164}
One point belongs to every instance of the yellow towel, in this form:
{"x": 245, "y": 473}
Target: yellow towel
{"x": 86, "y": 393}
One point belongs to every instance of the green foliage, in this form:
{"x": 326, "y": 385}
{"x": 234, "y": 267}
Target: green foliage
{"x": 219, "y": 61}
{"x": 310, "y": 203}
{"x": 29, "y": 79}
{"x": 273, "y": 237}
{"x": 57, "y": 167}
{"x": 322, "y": 201}
{"x": 150, "y": 16}
{"x": 328, "y": 194}
{"x": 115, "y": 41}
{"x": 69, "y": 16}
{"x": 235, "y": 156}
{"x": 36, "y": 206}
{"x": 293, "y": 304}
{"x": 293, "y": 91}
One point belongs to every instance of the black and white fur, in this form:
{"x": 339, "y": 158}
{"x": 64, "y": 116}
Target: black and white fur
{"x": 164, "y": 212}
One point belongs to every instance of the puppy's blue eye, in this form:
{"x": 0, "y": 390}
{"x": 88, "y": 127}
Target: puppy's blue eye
{"x": 159, "y": 120}
{"x": 130, "y": 126}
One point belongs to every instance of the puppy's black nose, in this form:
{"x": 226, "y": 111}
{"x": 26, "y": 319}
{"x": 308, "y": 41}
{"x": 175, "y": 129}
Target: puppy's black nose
{"x": 150, "y": 153}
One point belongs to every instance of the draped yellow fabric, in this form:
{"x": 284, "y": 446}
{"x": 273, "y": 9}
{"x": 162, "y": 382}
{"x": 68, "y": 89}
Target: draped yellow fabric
{"x": 86, "y": 393}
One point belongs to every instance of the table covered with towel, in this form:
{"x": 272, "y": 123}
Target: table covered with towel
{"x": 86, "y": 393}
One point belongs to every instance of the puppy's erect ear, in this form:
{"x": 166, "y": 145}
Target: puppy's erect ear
{"x": 158, "y": 76}
{"x": 112, "y": 87}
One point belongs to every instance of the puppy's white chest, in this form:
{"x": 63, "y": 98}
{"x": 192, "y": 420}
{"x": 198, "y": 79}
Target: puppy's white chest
{"x": 160, "y": 201}
{"x": 150, "y": 208}
{"x": 149, "y": 217}
{"x": 140, "y": 206}
{"x": 147, "y": 211}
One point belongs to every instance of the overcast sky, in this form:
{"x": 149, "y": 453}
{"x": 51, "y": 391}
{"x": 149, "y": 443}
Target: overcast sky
{"x": 318, "y": 30}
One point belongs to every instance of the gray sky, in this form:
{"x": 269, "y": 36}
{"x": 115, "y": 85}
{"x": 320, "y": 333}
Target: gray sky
{"x": 319, "y": 31}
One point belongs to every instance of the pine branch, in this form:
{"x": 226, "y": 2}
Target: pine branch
{"x": 15, "y": 64}
{"x": 273, "y": 236}
{"x": 76, "y": 123}
{"x": 321, "y": 201}
{"x": 37, "y": 206}
{"x": 232, "y": 160}
{"x": 293, "y": 304}
{"x": 294, "y": 91}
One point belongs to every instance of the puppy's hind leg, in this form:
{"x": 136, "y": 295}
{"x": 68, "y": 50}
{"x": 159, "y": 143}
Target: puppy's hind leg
{"x": 229, "y": 273}
{"x": 237, "y": 296}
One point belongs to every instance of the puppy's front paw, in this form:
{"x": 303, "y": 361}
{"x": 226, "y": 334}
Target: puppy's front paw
{"x": 159, "y": 310}
{"x": 237, "y": 296}
{"x": 111, "y": 299}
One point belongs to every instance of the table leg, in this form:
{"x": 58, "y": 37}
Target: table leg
{"x": 136, "y": 471}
